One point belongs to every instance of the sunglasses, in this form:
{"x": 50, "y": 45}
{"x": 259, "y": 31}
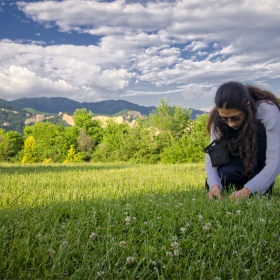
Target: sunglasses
{"x": 233, "y": 119}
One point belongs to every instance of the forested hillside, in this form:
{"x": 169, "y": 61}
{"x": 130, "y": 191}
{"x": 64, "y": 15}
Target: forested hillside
{"x": 167, "y": 135}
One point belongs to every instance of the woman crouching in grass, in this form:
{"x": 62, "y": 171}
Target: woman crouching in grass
{"x": 247, "y": 120}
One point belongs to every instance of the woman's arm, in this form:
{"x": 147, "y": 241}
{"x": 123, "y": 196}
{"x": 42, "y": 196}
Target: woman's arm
{"x": 212, "y": 173}
{"x": 269, "y": 115}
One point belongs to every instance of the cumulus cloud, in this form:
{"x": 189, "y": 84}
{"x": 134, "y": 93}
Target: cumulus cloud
{"x": 191, "y": 46}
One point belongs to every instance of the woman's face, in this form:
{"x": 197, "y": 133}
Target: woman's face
{"x": 232, "y": 117}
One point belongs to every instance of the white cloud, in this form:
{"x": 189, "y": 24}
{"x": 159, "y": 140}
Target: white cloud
{"x": 191, "y": 46}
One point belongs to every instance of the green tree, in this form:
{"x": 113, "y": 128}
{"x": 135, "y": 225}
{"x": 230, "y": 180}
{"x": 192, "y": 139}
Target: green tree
{"x": 170, "y": 119}
{"x": 11, "y": 143}
{"x": 109, "y": 148}
{"x": 29, "y": 153}
{"x": 44, "y": 134}
{"x": 188, "y": 148}
{"x": 83, "y": 120}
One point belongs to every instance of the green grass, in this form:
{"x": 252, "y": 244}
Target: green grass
{"x": 123, "y": 221}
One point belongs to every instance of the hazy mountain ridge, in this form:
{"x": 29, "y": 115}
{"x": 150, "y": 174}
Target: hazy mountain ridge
{"x": 54, "y": 105}
{"x": 16, "y": 114}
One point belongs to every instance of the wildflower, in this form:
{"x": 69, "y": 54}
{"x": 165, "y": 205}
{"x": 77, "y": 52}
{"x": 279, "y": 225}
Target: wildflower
{"x": 187, "y": 224}
{"x": 127, "y": 219}
{"x": 93, "y": 236}
{"x": 174, "y": 245}
{"x": 200, "y": 217}
{"x": 154, "y": 263}
{"x": 247, "y": 271}
{"x": 100, "y": 273}
{"x": 176, "y": 252}
{"x": 145, "y": 223}
{"x": 51, "y": 253}
{"x": 262, "y": 220}
{"x": 235, "y": 253}
{"x": 134, "y": 218}
{"x": 193, "y": 199}
{"x": 125, "y": 213}
{"x": 207, "y": 226}
{"x": 65, "y": 243}
{"x": 122, "y": 244}
{"x": 130, "y": 260}
{"x": 180, "y": 204}
{"x": 238, "y": 212}
{"x": 174, "y": 238}
{"x": 159, "y": 218}
{"x": 218, "y": 278}
{"x": 228, "y": 213}
{"x": 182, "y": 230}
{"x": 169, "y": 254}
{"x": 127, "y": 206}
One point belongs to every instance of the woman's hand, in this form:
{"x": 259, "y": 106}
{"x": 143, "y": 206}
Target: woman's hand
{"x": 215, "y": 192}
{"x": 243, "y": 193}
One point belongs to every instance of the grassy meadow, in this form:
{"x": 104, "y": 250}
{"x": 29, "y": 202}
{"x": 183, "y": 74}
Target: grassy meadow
{"x": 124, "y": 221}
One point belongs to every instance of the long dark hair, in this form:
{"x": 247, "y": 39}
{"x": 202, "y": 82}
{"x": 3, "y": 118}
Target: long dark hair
{"x": 234, "y": 95}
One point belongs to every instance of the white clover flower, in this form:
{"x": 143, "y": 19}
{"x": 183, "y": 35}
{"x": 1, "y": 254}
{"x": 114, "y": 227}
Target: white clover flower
{"x": 174, "y": 238}
{"x": 207, "y": 226}
{"x": 127, "y": 219}
{"x": 182, "y": 230}
{"x": 174, "y": 245}
{"x": 235, "y": 253}
{"x": 145, "y": 223}
{"x": 193, "y": 199}
{"x": 125, "y": 213}
{"x": 51, "y": 253}
{"x": 238, "y": 212}
{"x": 93, "y": 236}
{"x": 218, "y": 278}
{"x": 127, "y": 206}
{"x": 176, "y": 252}
{"x": 180, "y": 204}
{"x": 100, "y": 273}
{"x": 65, "y": 243}
{"x": 228, "y": 213}
{"x": 134, "y": 218}
{"x": 200, "y": 217}
{"x": 130, "y": 260}
{"x": 169, "y": 254}
{"x": 158, "y": 218}
{"x": 187, "y": 224}
{"x": 262, "y": 220}
{"x": 154, "y": 263}
{"x": 122, "y": 244}
{"x": 247, "y": 270}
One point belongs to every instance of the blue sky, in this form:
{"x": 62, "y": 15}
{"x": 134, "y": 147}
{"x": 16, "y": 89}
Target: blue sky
{"x": 139, "y": 51}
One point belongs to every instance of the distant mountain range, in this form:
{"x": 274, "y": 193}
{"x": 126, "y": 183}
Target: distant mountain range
{"x": 14, "y": 115}
{"x": 54, "y": 105}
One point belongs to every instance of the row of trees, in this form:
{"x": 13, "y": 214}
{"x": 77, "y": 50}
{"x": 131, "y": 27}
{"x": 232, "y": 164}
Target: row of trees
{"x": 167, "y": 135}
